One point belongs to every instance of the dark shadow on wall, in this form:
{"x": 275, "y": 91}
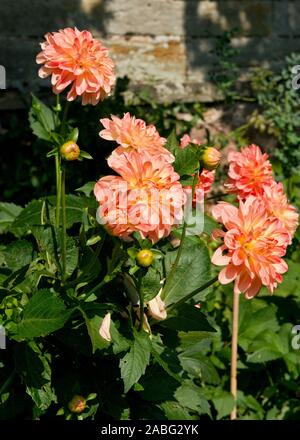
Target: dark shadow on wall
{"x": 24, "y": 23}
{"x": 263, "y": 33}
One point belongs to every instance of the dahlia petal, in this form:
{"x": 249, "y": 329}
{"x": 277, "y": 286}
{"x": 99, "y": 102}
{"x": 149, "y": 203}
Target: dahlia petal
{"x": 228, "y": 274}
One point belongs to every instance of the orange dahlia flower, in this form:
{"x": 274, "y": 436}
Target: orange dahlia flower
{"x": 133, "y": 134}
{"x": 253, "y": 247}
{"x": 74, "y": 58}
{"x": 277, "y": 205}
{"x": 147, "y": 198}
{"x": 249, "y": 171}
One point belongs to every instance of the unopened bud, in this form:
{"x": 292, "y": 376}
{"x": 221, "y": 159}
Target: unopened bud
{"x": 145, "y": 257}
{"x": 77, "y": 404}
{"x": 211, "y": 158}
{"x": 70, "y": 151}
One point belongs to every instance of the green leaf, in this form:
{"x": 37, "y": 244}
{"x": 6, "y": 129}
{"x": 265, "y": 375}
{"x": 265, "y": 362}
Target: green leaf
{"x": 87, "y": 188}
{"x": 29, "y": 216}
{"x": 42, "y": 119}
{"x": 223, "y": 402}
{"x": 255, "y": 317}
{"x": 93, "y": 315}
{"x": 172, "y": 143}
{"x": 133, "y": 364}
{"x": 191, "y": 273}
{"x": 43, "y": 314}
{"x": 85, "y": 155}
{"x": 187, "y": 160}
{"x": 189, "y": 396}
{"x": 150, "y": 284}
{"x": 174, "y": 411}
{"x": 167, "y": 359}
{"x": 197, "y": 223}
{"x": 73, "y": 136}
{"x": 187, "y": 318}
{"x": 33, "y": 366}
{"x": 199, "y": 365}
{"x": 8, "y": 213}
{"x": 18, "y": 254}
{"x": 71, "y": 256}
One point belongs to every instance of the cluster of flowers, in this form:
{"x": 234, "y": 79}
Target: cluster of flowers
{"x": 147, "y": 196}
{"x": 257, "y": 232}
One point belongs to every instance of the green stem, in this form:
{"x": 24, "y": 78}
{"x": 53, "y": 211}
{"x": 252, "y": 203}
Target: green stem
{"x": 234, "y": 353}
{"x": 191, "y": 294}
{"x": 63, "y": 223}
{"x": 183, "y": 235}
{"x": 141, "y": 296}
{"x": 58, "y": 189}
{"x": 64, "y": 118}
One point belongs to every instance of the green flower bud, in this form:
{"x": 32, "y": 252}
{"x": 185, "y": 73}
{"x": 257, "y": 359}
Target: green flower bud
{"x": 70, "y": 151}
{"x": 145, "y": 257}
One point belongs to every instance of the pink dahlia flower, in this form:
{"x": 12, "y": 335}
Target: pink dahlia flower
{"x": 133, "y": 134}
{"x": 186, "y": 140}
{"x": 74, "y": 58}
{"x": 277, "y": 205}
{"x": 249, "y": 171}
{"x": 147, "y": 198}
{"x": 254, "y": 244}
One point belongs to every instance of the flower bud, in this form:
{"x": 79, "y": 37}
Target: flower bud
{"x": 145, "y": 257}
{"x": 70, "y": 151}
{"x": 211, "y": 158}
{"x": 77, "y": 404}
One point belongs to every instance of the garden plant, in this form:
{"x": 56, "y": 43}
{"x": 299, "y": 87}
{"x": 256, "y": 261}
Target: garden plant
{"x": 141, "y": 295}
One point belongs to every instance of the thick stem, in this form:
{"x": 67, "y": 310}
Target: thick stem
{"x": 234, "y": 352}
{"x": 63, "y": 223}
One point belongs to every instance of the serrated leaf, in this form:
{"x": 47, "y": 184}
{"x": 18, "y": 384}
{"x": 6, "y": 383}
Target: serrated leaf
{"x": 172, "y": 143}
{"x": 187, "y": 160}
{"x": 150, "y": 284}
{"x": 31, "y": 214}
{"x": 42, "y": 119}
{"x": 187, "y": 318}
{"x": 43, "y": 314}
{"x": 189, "y": 396}
{"x": 8, "y": 213}
{"x": 224, "y": 403}
{"x": 133, "y": 365}
{"x": 18, "y": 254}
{"x": 194, "y": 266}
{"x": 34, "y": 368}
{"x": 199, "y": 365}
{"x": 174, "y": 411}
{"x": 167, "y": 359}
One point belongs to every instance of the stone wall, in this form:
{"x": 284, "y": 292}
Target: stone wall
{"x": 163, "y": 43}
